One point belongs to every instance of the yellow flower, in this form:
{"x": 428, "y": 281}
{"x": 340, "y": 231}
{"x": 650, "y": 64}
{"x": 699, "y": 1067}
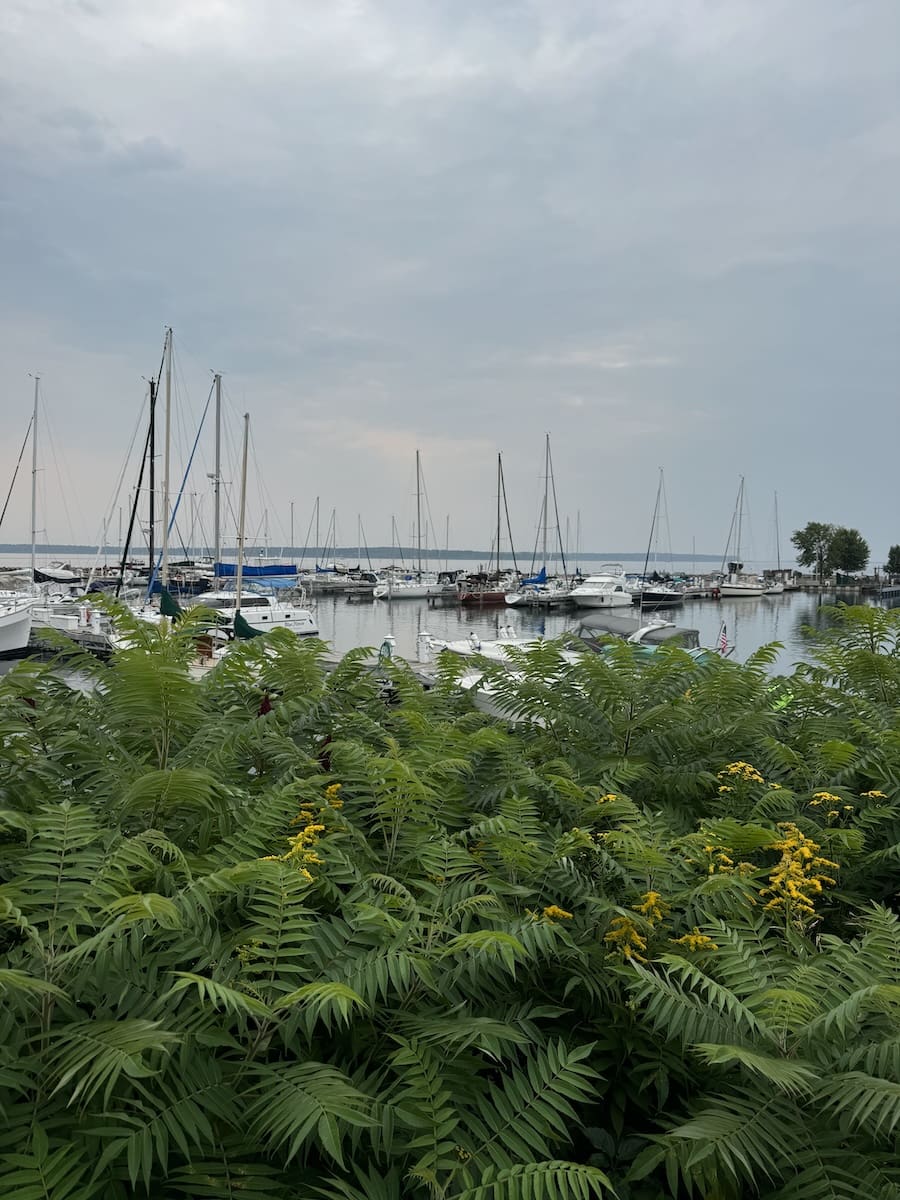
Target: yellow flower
{"x": 741, "y": 770}
{"x": 332, "y": 795}
{"x": 797, "y": 878}
{"x": 554, "y": 912}
{"x": 695, "y": 941}
{"x": 874, "y": 794}
{"x": 607, "y": 798}
{"x": 623, "y": 935}
{"x": 827, "y": 797}
{"x": 725, "y": 788}
{"x": 652, "y": 906}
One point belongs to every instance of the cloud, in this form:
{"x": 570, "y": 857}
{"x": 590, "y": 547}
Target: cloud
{"x": 667, "y": 233}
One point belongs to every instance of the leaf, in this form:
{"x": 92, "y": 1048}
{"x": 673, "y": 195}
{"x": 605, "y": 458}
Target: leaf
{"x": 789, "y": 1075}
{"x": 86, "y": 1056}
{"x": 219, "y": 996}
{"x": 327, "y": 1001}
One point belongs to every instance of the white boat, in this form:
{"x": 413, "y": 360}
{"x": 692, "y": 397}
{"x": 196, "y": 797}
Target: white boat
{"x": 555, "y": 593}
{"x": 607, "y": 588}
{"x": 736, "y": 582}
{"x": 15, "y": 623}
{"x": 408, "y": 589}
{"x": 775, "y": 587}
{"x": 261, "y": 612}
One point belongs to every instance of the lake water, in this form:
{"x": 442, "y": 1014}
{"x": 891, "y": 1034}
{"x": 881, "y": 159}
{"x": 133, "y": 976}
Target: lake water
{"x": 750, "y": 623}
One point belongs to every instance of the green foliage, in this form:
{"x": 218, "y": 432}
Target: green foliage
{"x": 892, "y": 563}
{"x": 642, "y": 943}
{"x": 849, "y": 550}
{"x": 813, "y": 545}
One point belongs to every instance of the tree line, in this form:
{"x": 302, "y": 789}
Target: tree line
{"x": 828, "y": 548}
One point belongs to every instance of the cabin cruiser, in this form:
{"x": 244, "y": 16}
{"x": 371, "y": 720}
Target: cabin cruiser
{"x": 607, "y": 588}
{"x": 261, "y": 612}
{"x": 410, "y": 587}
{"x": 736, "y": 583}
{"x": 15, "y": 622}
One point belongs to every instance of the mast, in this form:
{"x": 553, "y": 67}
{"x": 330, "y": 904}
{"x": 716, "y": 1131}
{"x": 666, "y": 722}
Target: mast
{"x": 512, "y": 545}
{"x": 34, "y": 470}
{"x": 164, "y": 570}
{"x": 419, "y": 512}
{"x": 292, "y": 529}
{"x": 151, "y": 453}
{"x": 546, "y": 494}
{"x": 777, "y": 538}
{"x": 650, "y": 540}
{"x": 499, "y": 490}
{"x": 217, "y": 480}
{"x": 318, "y": 547}
{"x": 740, "y": 518}
{"x": 243, "y": 514}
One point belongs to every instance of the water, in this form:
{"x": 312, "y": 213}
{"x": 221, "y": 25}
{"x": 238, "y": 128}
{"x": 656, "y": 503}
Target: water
{"x": 750, "y": 623}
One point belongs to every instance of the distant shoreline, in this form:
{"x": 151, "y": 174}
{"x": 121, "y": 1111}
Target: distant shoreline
{"x": 352, "y": 552}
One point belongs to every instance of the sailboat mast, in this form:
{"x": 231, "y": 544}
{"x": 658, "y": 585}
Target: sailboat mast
{"x": 34, "y": 470}
{"x": 419, "y": 511}
{"x": 318, "y": 547}
{"x": 164, "y": 570}
{"x": 217, "y": 480}
{"x": 740, "y": 518}
{"x": 546, "y": 494}
{"x": 650, "y": 540}
{"x": 243, "y": 516}
{"x": 777, "y": 538}
{"x": 151, "y": 456}
{"x": 499, "y": 489}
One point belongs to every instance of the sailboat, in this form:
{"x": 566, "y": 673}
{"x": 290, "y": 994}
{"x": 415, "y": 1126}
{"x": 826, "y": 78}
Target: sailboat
{"x": 16, "y": 608}
{"x": 419, "y": 586}
{"x": 775, "y": 587}
{"x": 246, "y": 615}
{"x": 492, "y": 588}
{"x": 735, "y": 582}
{"x": 539, "y": 590}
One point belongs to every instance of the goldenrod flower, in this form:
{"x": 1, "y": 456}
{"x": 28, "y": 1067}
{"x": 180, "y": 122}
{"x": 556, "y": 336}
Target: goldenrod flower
{"x": 623, "y": 935}
{"x": 554, "y": 912}
{"x": 607, "y": 798}
{"x": 695, "y": 941}
{"x": 797, "y": 879}
{"x": 827, "y": 797}
{"x": 743, "y": 771}
{"x": 652, "y": 906}
{"x": 874, "y": 794}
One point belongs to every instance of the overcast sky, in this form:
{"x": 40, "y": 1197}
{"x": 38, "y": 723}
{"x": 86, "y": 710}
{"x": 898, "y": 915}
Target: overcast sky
{"x": 665, "y": 231}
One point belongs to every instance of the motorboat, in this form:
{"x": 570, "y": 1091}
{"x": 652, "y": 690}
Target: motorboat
{"x": 658, "y": 595}
{"x": 413, "y": 587}
{"x": 15, "y": 622}
{"x": 606, "y": 588}
{"x": 261, "y": 612}
{"x": 554, "y": 593}
{"x": 736, "y": 583}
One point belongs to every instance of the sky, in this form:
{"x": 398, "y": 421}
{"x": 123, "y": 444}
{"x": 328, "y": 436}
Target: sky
{"x": 665, "y": 232}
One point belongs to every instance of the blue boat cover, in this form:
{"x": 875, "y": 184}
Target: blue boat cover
{"x": 541, "y": 577}
{"x": 279, "y": 570}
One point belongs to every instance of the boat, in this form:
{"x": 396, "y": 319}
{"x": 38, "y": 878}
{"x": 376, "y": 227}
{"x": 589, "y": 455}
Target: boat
{"x": 606, "y": 588}
{"x": 735, "y": 582}
{"x": 658, "y": 595}
{"x": 15, "y": 623}
{"x": 775, "y": 587}
{"x": 541, "y": 591}
{"x": 56, "y": 573}
{"x": 418, "y": 585}
{"x": 492, "y": 586}
{"x": 656, "y": 592}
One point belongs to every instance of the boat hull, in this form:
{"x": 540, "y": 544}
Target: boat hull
{"x": 731, "y": 591}
{"x": 482, "y": 597}
{"x": 15, "y": 627}
{"x": 602, "y": 600}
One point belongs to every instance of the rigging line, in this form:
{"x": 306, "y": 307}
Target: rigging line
{"x": 115, "y": 498}
{"x": 512, "y": 546}
{"x": 59, "y": 475}
{"x": 562, "y": 553}
{"x": 134, "y": 509}
{"x": 180, "y": 491}
{"x": 16, "y": 471}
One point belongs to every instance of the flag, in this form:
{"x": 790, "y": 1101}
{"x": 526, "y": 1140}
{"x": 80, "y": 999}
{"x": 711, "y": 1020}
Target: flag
{"x": 169, "y": 606}
{"x": 723, "y": 640}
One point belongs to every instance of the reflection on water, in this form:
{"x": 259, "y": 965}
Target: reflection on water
{"x": 750, "y": 623}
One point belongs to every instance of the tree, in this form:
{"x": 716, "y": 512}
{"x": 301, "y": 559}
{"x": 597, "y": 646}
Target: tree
{"x": 849, "y": 550}
{"x": 813, "y": 544}
{"x": 892, "y": 566}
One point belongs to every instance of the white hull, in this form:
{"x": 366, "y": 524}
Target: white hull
{"x": 407, "y": 591}
{"x": 15, "y": 626}
{"x": 774, "y": 589}
{"x": 748, "y": 590}
{"x": 601, "y": 599}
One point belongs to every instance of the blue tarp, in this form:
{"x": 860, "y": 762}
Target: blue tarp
{"x": 541, "y": 577}
{"x": 278, "y": 570}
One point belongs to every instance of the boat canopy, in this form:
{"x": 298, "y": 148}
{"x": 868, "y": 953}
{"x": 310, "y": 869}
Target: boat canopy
{"x": 594, "y": 625}
{"x": 541, "y": 577}
{"x": 265, "y": 571}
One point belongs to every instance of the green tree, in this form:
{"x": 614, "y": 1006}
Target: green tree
{"x": 813, "y": 544}
{"x": 849, "y": 550}
{"x": 892, "y": 566}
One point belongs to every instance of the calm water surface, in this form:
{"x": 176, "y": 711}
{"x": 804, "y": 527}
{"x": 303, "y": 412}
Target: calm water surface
{"x": 750, "y": 623}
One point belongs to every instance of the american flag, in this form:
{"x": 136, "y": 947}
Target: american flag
{"x": 723, "y": 639}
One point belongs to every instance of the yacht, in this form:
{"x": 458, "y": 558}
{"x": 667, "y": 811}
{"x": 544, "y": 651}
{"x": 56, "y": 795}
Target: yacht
{"x": 607, "y": 588}
{"x": 736, "y": 583}
{"x": 412, "y": 587}
{"x": 15, "y": 622}
{"x": 261, "y": 612}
